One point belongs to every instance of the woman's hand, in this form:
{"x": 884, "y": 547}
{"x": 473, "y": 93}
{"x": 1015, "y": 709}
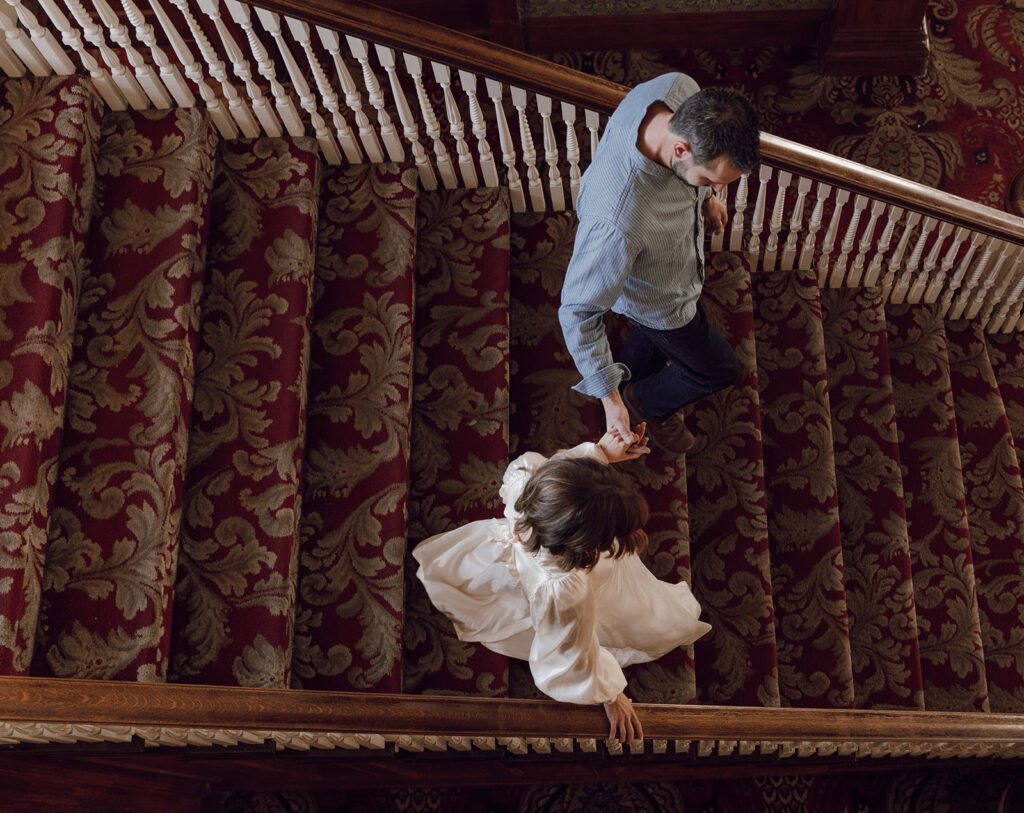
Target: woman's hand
{"x": 625, "y": 724}
{"x": 616, "y": 449}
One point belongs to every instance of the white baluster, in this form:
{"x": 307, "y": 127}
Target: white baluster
{"x": 977, "y": 241}
{"x": 829, "y": 240}
{"x": 239, "y": 110}
{"x": 1000, "y": 292}
{"x": 361, "y": 53}
{"x": 240, "y": 65}
{"x": 126, "y": 83}
{"x": 414, "y": 66}
{"x": 839, "y": 269}
{"x": 892, "y": 218}
{"x": 328, "y": 146}
{"x": 331, "y": 41}
{"x": 593, "y": 120}
{"x": 771, "y": 248}
{"x": 443, "y": 76}
{"x": 932, "y": 294}
{"x": 72, "y": 37}
{"x": 286, "y": 109}
{"x": 46, "y": 44}
{"x": 864, "y": 246}
{"x": 757, "y": 217}
{"x": 740, "y": 207}
{"x": 529, "y": 153}
{"x": 410, "y": 129}
{"x": 555, "y": 188}
{"x": 22, "y": 45}
{"x": 476, "y": 118}
{"x": 910, "y": 270}
{"x": 194, "y": 71}
{"x": 572, "y": 150}
{"x": 980, "y": 292}
{"x": 508, "y": 153}
{"x": 9, "y": 62}
{"x": 803, "y": 186}
{"x": 346, "y": 138}
{"x": 169, "y": 73}
{"x": 897, "y": 256}
{"x": 1002, "y": 320}
{"x": 919, "y": 284}
{"x": 353, "y": 98}
{"x": 822, "y": 192}
{"x": 144, "y": 72}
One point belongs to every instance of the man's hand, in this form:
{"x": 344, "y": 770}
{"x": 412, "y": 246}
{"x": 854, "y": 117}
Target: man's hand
{"x": 616, "y": 418}
{"x": 716, "y": 215}
{"x": 625, "y": 724}
{"x": 616, "y": 449}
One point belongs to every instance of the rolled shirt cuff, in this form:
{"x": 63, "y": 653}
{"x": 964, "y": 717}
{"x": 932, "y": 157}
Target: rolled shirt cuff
{"x": 604, "y": 381}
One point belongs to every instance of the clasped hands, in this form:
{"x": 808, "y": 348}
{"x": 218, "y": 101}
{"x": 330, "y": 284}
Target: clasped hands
{"x": 617, "y": 448}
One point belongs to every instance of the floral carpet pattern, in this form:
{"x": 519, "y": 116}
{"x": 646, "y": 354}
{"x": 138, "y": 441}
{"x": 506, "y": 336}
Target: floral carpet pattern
{"x": 238, "y": 386}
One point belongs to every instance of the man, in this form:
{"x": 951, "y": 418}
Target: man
{"x": 639, "y": 251}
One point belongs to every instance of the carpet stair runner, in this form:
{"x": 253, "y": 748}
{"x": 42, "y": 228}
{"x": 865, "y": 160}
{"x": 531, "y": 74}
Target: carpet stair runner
{"x": 236, "y": 398}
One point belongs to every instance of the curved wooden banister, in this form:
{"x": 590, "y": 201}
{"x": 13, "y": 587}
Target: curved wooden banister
{"x": 386, "y": 27}
{"x": 543, "y": 76}
{"x": 858, "y": 178}
{"x": 96, "y": 702}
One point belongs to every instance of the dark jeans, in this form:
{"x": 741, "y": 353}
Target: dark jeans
{"x": 700, "y": 362}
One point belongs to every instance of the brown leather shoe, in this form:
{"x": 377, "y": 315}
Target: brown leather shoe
{"x": 669, "y": 434}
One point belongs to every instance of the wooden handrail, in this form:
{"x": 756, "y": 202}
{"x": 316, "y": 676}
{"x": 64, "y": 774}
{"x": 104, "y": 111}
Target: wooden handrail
{"x": 860, "y": 179}
{"x": 95, "y": 702}
{"x": 386, "y": 27}
{"x": 432, "y": 41}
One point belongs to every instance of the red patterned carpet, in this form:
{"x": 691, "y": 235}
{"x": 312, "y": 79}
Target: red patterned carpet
{"x": 237, "y": 387}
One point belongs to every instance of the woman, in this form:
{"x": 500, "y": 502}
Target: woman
{"x": 558, "y": 581}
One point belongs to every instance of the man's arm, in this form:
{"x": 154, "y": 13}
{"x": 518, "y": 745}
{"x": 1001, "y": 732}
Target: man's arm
{"x": 593, "y": 283}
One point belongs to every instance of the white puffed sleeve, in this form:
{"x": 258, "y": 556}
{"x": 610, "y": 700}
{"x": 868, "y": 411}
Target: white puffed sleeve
{"x": 514, "y": 481}
{"x": 566, "y": 660}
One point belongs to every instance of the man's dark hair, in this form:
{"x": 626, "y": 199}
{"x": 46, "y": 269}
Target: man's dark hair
{"x": 576, "y": 508}
{"x": 719, "y": 121}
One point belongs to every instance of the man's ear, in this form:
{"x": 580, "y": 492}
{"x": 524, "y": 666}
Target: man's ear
{"x": 681, "y": 148}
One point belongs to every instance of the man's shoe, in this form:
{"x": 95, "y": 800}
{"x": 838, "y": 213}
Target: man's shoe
{"x": 669, "y": 434}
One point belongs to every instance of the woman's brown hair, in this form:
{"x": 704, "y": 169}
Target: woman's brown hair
{"x": 576, "y": 508}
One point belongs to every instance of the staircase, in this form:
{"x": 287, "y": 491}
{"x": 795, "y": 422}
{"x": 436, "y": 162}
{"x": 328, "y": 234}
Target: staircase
{"x": 239, "y": 383}
{"x": 241, "y": 391}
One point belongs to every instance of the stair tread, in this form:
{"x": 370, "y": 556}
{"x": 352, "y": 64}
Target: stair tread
{"x": 460, "y": 414}
{"x": 235, "y": 588}
{"x": 812, "y": 627}
{"x": 949, "y": 632}
{"x": 995, "y": 511}
{"x": 113, "y": 535}
{"x": 736, "y": 662}
{"x": 46, "y": 192}
{"x": 872, "y": 513}
{"x": 348, "y": 634}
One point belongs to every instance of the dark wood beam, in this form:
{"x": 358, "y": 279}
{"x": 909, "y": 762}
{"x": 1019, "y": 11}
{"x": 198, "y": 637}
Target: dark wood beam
{"x": 872, "y": 37}
{"x": 505, "y": 25}
{"x": 700, "y": 30}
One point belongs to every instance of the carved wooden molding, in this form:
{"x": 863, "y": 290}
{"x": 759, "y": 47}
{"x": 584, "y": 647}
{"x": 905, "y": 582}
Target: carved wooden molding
{"x": 872, "y": 37}
{"x": 96, "y": 705}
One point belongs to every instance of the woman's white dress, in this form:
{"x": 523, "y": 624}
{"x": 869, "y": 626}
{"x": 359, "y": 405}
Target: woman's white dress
{"x": 576, "y": 628}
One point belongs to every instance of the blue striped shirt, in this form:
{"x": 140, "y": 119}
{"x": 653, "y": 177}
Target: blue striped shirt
{"x": 639, "y": 247}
